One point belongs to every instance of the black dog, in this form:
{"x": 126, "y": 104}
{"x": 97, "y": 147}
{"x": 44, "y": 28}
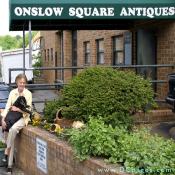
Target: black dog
{"x": 13, "y": 116}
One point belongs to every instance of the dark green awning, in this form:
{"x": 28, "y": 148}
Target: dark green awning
{"x": 52, "y": 14}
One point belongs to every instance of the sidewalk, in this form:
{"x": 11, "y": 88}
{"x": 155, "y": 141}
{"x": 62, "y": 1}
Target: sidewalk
{"x": 16, "y": 171}
{"x": 43, "y": 95}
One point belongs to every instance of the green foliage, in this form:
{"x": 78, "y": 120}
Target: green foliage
{"x": 146, "y": 153}
{"x": 97, "y": 139}
{"x": 139, "y": 152}
{"x": 37, "y": 59}
{"x": 20, "y": 43}
{"x": 103, "y": 91}
{"x": 8, "y": 42}
{"x": 2, "y": 145}
{"x": 50, "y": 109}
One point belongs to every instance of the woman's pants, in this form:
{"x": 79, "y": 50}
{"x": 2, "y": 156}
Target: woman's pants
{"x": 14, "y": 130}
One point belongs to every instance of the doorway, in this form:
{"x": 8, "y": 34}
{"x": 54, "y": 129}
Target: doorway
{"x": 146, "y": 53}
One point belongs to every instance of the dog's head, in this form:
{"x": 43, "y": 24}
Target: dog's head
{"x": 21, "y": 103}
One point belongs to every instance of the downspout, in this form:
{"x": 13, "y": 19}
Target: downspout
{"x": 24, "y": 50}
{"x": 62, "y": 57}
{"x": 30, "y": 45}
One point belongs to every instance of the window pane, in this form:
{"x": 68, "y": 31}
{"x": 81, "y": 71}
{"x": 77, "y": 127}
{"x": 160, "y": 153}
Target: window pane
{"x": 52, "y": 54}
{"x": 87, "y": 58}
{"x": 128, "y": 47}
{"x": 101, "y": 45}
{"x": 118, "y": 43}
{"x": 101, "y": 58}
{"x": 120, "y": 58}
{"x": 87, "y": 52}
{"x": 100, "y": 51}
{"x": 87, "y": 46}
{"x": 48, "y": 54}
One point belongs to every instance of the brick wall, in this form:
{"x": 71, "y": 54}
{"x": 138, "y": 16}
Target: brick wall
{"x": 164, "y": 31}
{"x": 165, "y": 54}
{"x": 51, "y": 40}
{"x": 60, "y": 159}
{"x": 67, "y": 51}
{"x": 92, "y": 36}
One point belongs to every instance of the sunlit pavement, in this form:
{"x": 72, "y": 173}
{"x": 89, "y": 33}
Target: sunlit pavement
{"x": 165, "y": 129}
{"x": 43, "y": 95}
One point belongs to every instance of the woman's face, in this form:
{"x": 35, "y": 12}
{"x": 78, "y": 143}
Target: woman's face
{"x": 21, "y": 83}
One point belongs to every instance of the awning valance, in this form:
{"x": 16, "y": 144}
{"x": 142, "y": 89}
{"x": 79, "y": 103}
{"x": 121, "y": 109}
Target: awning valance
{"x": 51, "y": 14}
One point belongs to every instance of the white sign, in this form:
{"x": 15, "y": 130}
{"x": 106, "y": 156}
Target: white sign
{"x": 41, "y": 155}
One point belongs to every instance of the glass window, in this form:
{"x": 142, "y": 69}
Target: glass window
{"x": 118, "y": 50}
{"x": 87, "y": 52}
{"x": 100, "y": 51}
{"x": 45, "y": 55}
{"x": 48, "y": 54}
{"x": 52, "y": 54}
{"x": 122, "y": 49}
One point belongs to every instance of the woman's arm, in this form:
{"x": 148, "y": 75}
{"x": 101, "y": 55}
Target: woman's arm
{"x": 8, "y": 106}
{"x": 29, "y": 99}
{"x": 5, "y": 111}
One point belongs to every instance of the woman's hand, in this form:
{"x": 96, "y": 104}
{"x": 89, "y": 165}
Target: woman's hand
{"x": 14, "y": 108}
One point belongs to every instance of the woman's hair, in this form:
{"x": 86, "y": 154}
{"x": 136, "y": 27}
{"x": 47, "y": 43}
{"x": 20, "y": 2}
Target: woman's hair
{"x": 20, "y": 76}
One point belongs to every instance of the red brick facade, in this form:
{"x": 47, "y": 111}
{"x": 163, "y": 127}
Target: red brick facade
{"x": 61, "y": 42}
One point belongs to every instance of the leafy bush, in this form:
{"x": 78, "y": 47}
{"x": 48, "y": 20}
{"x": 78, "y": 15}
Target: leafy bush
{"x": 100, "y": 91}
{"x": 139, "y": 152}
{"x": 97, "y": 139}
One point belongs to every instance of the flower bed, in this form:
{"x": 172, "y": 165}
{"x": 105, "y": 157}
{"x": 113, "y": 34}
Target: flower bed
{"x": 60, "y": 157}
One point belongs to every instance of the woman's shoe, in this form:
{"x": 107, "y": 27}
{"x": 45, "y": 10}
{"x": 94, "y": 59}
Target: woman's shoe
{"x": 9, "y": 170}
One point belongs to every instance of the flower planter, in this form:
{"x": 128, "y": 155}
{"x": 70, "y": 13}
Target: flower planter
{"x": 63, "y": 122}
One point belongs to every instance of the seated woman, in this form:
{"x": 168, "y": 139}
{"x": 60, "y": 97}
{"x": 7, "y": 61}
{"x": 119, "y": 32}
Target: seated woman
{"x": 21, "y": 81}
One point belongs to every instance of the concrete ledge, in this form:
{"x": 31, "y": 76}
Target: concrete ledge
{"x": 60, "y": 158}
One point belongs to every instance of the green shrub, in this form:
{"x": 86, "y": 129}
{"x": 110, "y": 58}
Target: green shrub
{"x": 97, "y": 139}
{"x": 100, "y": 91}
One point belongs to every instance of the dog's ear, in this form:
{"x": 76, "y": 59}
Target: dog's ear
{"x": 20, "y": 102}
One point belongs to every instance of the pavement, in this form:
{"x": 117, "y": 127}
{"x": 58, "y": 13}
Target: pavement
{"x": 165, "y": 129}
{"x": 42, "y": 95}
{"x": 16, "y": 171}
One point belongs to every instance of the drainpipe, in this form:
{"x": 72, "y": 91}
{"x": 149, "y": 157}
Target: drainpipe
{"x": 24, "y": 45}
{"x": 62, "y": 56}
{"x": 30, "y": 45}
